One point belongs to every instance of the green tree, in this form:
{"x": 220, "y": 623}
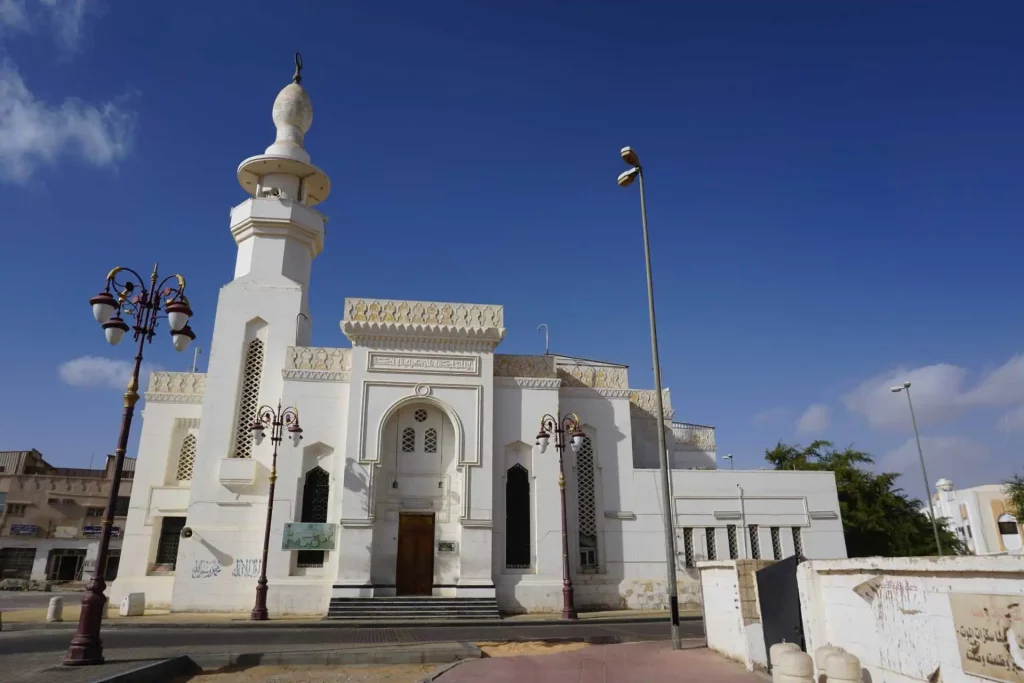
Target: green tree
{"x": 879, "y": 519}
{"x": 1013, "y": 488}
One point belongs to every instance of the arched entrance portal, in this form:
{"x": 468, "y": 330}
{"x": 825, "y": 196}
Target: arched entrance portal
{"x": 414, "y": 500}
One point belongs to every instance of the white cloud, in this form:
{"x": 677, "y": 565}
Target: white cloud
{"x": 96, "y": 371}
{"x": 940, "y": 392}
{"x": 770, "y": 416}
{"x": 33, "y": 132}
{"x": 66, "y": 18}
{"x": 945, "y": 457}
{"x": 815, "y": 419}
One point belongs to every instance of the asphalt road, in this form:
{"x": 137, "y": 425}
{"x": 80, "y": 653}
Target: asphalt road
{"x": 271, "y": 639}
{"x": 15, "y": 600}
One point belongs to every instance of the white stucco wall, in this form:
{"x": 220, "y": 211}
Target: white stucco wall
{"x": 894, "y": 614}
{"x": 732, "y": 617}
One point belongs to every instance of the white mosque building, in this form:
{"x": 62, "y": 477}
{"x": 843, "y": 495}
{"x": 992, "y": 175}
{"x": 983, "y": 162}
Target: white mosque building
{"x": 418, "y": 473}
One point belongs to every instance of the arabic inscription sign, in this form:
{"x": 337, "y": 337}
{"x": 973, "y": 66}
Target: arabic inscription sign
{"x": 990, "y": 635}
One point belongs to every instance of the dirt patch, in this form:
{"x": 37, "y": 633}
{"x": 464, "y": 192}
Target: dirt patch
{"x": 527, "y": 648}
{"x": 406, "y": 673}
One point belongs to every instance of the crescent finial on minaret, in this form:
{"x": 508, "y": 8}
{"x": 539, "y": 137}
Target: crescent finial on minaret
{"x": 297, "y": 78}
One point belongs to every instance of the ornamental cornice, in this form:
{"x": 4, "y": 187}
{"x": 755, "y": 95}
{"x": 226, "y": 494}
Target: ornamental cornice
{"x": 437, "y": 320}
{"x": 646, "y": 400}
{"x": 528, "y": 382}
{"x": 694, "y": 437}
{"x": 176, "y": 387}
{"x": 590, "y": 392}
{"x": 507, "y": 365}
{"x": 318, "y": 358}
{"x": 423, "y": 344}
{"x": 596, "y": 376}
{"x": 315, "y": 376}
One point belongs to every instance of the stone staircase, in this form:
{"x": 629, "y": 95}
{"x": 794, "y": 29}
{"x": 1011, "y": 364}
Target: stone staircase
{"x": 412, "y": 609}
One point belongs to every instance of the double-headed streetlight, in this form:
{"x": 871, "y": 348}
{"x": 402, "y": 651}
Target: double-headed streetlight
{"x": 924, "y": 472}
{"x": 279, "y": 421}
{"x": 125, "y": 294}
{"x": 569, "y": 426}
{"x": 626, "y": 179}
{"x": 729, "y": 458}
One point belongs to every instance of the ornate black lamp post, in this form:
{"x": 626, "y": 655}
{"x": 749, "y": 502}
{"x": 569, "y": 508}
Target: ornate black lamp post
{"x": 551, "y": 426}
{"x": 128, "y": 296}
{"x": 278, "y": 421}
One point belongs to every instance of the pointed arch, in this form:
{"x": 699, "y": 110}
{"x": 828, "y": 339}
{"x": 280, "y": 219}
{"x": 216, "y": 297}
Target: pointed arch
{"x": 518, "y": 545}
{"x": 316, "y": 492}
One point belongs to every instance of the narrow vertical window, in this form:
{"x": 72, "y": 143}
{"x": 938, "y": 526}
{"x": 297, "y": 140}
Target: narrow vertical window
{"x": 734, "y": 550}
{"x": 776, "y": 544}
{"x": 430, "y": 441}
{"x": 167, "y": 544}
{"x": 709, "y": 539}
{"x": 186, "y": 458}
{"x": 248, "y": 402}
{"x": 688, "y": 547}
{"x": 408, "y": 440}
{"x": 315, "y": 493}
{"x": 517, "y": 518}
{"x": 755, "y": 543}
{"x": 586, "y": 505}
{"x": 798, "y": 544}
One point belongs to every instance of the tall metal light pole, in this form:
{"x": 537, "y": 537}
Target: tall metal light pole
{"x": 924, "y": 472}
{"x": 131, "y": 297}
{"x": 729, "y": 458}
{"x": 626, "y": 179}
{"x": 277, "y": 421}
{"x": 551, "y": 426}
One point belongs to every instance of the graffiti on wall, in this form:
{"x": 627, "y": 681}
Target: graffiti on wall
{"x": 247, "y": 568}
{"x": 205, "y": 569}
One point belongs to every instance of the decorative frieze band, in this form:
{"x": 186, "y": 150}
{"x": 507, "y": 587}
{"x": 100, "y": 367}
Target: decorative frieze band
{"x": 694, "y": 437}
{"x": 434, "y": 320}
{"x": 524, "y": 366}
{"x": 423, "y": 364}
{"x": 176, "y": 387}
{"x": 646, "y": 400}
{"x": 591, "y": 392}
{"x": 317, "y": 364}
{"x": 528, "y": 382}
{"x": 596, "y": 376}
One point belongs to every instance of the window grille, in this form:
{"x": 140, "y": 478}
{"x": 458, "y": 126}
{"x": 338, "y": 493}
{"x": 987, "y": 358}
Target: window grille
{"x": 755, "y": 544}
{"x": 734, "y": 550}
{"x": 586, "y": 504}
{"x": 798, "y": 544}
{"x": 688, "y": 547}
{"x": 315, "y": 494}
{"x": 170, "y": 537}
{"x": 248, "y": 402}
{"x": 186, "y": 458}
{"x": 430, "y": 441}
{"x": 709, "y": 538}
{"x": 420, "y": 415}
{"x": 776, "y": 544}
{"x": 408, "y": 440}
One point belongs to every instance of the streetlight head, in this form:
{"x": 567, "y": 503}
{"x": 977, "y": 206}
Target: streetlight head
{"x": 257, "y": 432}
{"x": 295, "y": 432}
{"x": 182, "y": 338}
{"x": 542, "y": 440}
{"x": 178, "y": 314}
{"x": 114, "y": 330}
{"x": 906, "y": 385}
{"x": 626, "y": 178}
{"x": 103, "y": 306}
{"x": 896, "y": 390}
{"x": 629, "y": 156}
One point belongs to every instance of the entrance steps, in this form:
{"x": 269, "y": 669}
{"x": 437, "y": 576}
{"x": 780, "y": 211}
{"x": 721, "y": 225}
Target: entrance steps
{"x": 407, "y": 608}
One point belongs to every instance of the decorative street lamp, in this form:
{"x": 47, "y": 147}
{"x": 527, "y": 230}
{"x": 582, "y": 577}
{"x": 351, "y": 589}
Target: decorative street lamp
{"x": 626, "y": 178}
{"x": 552, "y": 427}
{"x": 125, "y": 294}
{"x": 279, "y": 421}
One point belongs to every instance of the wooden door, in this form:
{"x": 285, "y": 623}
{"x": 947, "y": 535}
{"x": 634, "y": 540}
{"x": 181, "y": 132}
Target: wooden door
{"x": 414, "y": 574}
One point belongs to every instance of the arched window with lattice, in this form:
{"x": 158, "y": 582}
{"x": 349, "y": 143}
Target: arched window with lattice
{"x": 186, "y": 458}
{"x": 587, "y": 504}
{"x": 408, "y": 440}
{"x": 517, "y": 518}
{"x": 248, "y": 401}
{"x": 430, "y": 441}
{"x": 315, "y": 494}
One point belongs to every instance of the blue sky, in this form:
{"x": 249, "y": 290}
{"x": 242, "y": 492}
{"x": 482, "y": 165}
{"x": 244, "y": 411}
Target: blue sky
{"x": 833, "y": 188}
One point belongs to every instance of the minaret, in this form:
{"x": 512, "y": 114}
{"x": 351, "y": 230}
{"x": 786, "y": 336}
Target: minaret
{"x": 260, "y": 313}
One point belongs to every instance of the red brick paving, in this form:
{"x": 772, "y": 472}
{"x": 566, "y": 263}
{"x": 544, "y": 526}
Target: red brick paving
{"x": 626, "y": 663}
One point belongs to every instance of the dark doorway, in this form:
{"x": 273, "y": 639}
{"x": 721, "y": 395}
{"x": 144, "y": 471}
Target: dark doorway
{"x": 517, "y": 518}
{"x": 65, "y": 564}
{"x": 780, "y": 604}
{"x": 315, "y": 493}
{"x": 414, "y": 574}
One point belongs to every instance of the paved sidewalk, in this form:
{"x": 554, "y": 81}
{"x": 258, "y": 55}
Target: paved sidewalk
{"x": 632, "y": 663}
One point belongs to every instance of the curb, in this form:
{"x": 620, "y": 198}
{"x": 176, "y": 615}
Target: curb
{"x": 449, "y": 654}
{"x": 335, "y": 623}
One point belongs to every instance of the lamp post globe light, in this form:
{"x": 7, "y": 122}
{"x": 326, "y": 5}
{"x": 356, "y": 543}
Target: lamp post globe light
{"x": 920, "y": 455}
{"x": 626, "y": 178}
{"x": 559, "y": 429}
{"x": 126, "y": 294}
{"x": 279, "y": 421}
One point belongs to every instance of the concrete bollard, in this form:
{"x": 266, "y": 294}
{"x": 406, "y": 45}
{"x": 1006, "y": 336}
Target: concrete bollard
{"x": 842, "y": 667}
{"x": 776, "y": 651}
{"x": 821, "y": 655}
{"x": 55, "y": 611}
{"x": 133, "y": 605}
{"x": 794, "y": 666}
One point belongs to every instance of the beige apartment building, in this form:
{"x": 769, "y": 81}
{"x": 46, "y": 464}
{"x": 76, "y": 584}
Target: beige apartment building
{"x": 50, "y": 517}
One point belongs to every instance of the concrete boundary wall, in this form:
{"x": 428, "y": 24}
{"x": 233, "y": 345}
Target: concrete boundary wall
{"x": 897, "y": 615}
{"x": 732, "y": 613}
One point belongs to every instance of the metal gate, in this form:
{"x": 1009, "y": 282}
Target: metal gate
{"x": 780, "y": 604}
